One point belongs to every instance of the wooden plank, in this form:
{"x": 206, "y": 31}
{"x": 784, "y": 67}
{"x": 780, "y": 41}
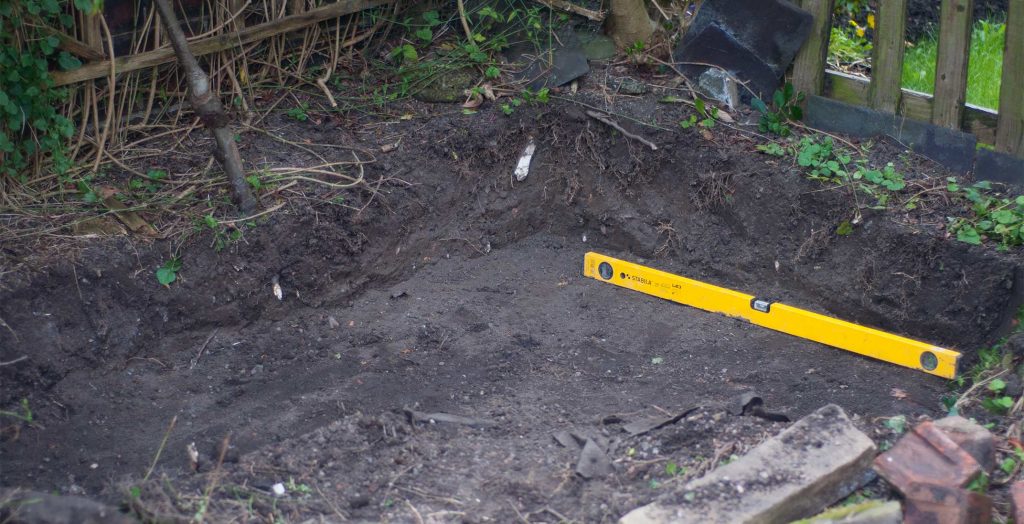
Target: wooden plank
{"x": 809, "y": 67}
{"x": 951, "y": 65}
{"x": 1010, "y": 133}
{"x": 216, "y": 43}
{"x": 979, "y": 121}
{"x": 887, "y": 56}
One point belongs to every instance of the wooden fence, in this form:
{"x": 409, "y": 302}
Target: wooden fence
{"x": 947, "y": 107}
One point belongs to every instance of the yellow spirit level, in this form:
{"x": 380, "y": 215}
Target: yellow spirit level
{"x": 773, "y": 315}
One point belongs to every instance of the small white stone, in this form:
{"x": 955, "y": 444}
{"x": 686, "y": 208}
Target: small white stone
{"x": 278, "y": 489}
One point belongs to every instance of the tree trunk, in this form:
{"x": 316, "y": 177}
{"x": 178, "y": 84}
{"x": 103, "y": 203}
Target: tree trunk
{"x": 629, "y": 23}
{"x": 209, "y": 109}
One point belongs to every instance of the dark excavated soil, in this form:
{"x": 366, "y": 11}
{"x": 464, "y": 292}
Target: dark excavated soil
{"x": 460, "y": 292}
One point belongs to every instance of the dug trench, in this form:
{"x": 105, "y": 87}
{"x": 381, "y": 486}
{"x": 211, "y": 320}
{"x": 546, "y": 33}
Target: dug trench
{"x": 454, "y": 288}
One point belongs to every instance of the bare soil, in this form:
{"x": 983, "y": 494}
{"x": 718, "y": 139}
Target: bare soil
{"x": 455, "y": 289}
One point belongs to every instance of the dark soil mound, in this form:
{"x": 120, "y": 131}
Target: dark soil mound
{"x": 456, "y": 289}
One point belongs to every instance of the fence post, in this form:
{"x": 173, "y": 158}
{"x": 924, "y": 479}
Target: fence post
{"x": 951, "y": 64}
{"x": 887, "y": 58}
{"x": 1010, "y": 130}
{"x": 809, "y": 67}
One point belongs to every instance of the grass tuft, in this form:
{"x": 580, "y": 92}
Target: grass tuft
{"x": 984, "y": 69}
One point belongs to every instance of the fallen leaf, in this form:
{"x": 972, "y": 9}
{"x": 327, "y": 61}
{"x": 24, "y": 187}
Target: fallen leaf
{"x": 898, "y": 393}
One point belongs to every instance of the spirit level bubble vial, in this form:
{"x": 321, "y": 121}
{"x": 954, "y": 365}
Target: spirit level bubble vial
{"x": 773, "y": 315}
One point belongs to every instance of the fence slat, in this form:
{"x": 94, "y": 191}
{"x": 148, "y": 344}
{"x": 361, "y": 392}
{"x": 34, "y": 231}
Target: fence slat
{"x": 887, "y": 58}
{"x": 951, "y": 64}
{"x": 1010, "y": 132}
{"x": 979, "y": 121}
{"x": 809, "y": 67}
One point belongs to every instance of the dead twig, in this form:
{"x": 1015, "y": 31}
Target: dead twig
{"x": 4, "y": 324}
{"x": 563, "y": 5}
{"x": 415, "y": 512}
{"x": 160, "y": 450}
{"x": 604, "y": 119}
{"x": 462, "y": 18}
{"x": 203, "y": 348}
{"x": 15, "y": 361}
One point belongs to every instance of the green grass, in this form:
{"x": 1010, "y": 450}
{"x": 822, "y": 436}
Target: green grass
{"x": 983, "y": 72}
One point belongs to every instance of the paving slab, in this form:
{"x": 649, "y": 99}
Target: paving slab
{"x": 722, "y": 33}
{"x": 814, "y": 463}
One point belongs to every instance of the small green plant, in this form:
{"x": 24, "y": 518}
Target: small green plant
{"x": 823, "y": 161}
{"x": 708, "y": 115}
{"x": 997, "y": 402}
{"x": 510, "y": 107}
{"x": 674, "y": 470}
{"x": 299, "y": 112}
{"x": 636, "y": 49}
{"x": 149, "y": 183}
{"x": 997, "y": 218}
{"x": 785, "y": 108}
{"x": 492, "y": 72}
{"x": 223, "y": 236}
{"x": 705, "y": 117}
{"x": 404, "y": 53}
{"x": 168, "y": 273}
{"x": 541, "y": 96}
{"x": 845, "y": 49}
{"x": 298, "y": 488}
{"x": 24, "y": 414}
{"x": 897, "y": 424}
{"x": 772, "y": 149}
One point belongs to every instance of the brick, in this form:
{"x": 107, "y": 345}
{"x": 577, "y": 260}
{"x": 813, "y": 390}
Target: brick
{"x": 1017, "y": 501}
{"x": 972, "y": 437}
{"x": 812, "y": 464}
{"x": 938, "y": 504}
{"x": 926, "y": 455}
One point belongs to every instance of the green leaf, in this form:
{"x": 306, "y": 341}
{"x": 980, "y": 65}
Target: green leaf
{"x": 409, "y": 53}
{"x": 969, "y": 235}
{"x": 425, "y": 34}
{"x": 492, "y": 72}
{"x": 165, "y": 276}
{"x": 897, "y": 424}
{"x": 759, "y": 105}
{"x": 1004, "y": 216}
{"x": 1008, "y": 465}
{"x": 67, "y": 61}
{"x": 997, "y": 385}
{"x": 845, "y": 228}
{"x": 701, "y": 108}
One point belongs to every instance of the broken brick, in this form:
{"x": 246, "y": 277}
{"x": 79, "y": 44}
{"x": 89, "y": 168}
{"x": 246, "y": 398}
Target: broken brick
{"x": 926, "y": 455}
{"x": 938, "y": 504}
{"x": 972, "y": 437}
{"x": 1017, "y": 501}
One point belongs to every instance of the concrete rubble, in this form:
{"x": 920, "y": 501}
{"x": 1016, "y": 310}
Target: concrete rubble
{"x": 814, "y": 463}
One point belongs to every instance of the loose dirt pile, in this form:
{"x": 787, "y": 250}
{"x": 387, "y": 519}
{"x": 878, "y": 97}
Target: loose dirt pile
{"x": 456, "y": 289}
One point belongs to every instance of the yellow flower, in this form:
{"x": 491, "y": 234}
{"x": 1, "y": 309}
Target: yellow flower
{"x": 860, "y": 31}
{"x": 871, "y": 20}
{"x": 853, "y": 22}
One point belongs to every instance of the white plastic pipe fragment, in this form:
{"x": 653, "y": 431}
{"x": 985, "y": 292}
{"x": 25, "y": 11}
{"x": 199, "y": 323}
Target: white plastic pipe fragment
{"x": 523, "y": 167}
